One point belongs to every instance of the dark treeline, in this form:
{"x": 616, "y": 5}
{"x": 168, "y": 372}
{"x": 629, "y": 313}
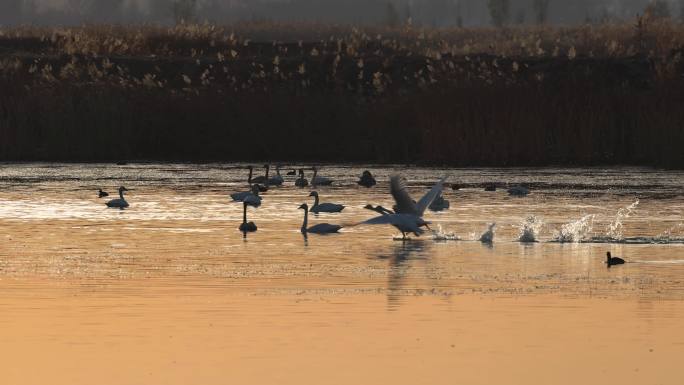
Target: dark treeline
{"x": 432, "y": 13}
{"x": 585, "y": 96}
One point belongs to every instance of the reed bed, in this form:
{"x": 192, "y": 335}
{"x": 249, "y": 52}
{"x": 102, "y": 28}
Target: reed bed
{"x": 588, "y": 95}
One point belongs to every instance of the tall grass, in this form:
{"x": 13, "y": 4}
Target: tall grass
{"x": 610, "y": 94}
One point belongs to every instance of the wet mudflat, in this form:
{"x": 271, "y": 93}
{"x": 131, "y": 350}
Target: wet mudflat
{"x": 169, "y": 291}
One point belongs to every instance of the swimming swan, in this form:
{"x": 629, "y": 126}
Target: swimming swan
{"x": 366, "y": 179}
{"x": 259, "y": 179}
{"x": 612, "y": 261}
{"x": 518, "y": 191}
{"x": 439, "y": 204}
{"x": 277, "y": 179}
{"x": 119, "y": 203}
{"x": 408, "y": 216}
{"x": 246, "y": 227}
{"x": 324, "y": 207}
{"x": 102, "y": 194}
{"x": 321, "y": 228}
{"x": 488, "y": 236}
{"x": 319, "y": 180}
{"x": 301, "y": 181}
{"x": 378, "y": 209}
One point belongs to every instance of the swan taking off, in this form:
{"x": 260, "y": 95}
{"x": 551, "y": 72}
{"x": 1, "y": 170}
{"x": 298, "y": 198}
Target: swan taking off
{"x": 102, "y": 194}
{"x": 321, "y": 228}
{"x": 247, "y": 227}
{"x": 366, "y": 180}
{"x": 324, "y": 207}
{"x": 319, "y": 180}
{"x": 119, "y": 203}
{"x": 253, "y": 195}
{"x": 301, "y": 180}
{"x": 408, "y": 217}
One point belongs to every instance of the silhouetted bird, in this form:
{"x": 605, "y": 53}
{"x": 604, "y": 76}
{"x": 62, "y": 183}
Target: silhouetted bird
{"x": 119, "y": 203}
{"x": 366, "y": 179}
{"x": 102, "y": 194}
{"x": 490, "y": 187}
{"x": 247, "y": 227}
{"x": 321, "y": 228}
{"x": 610, "y": 260}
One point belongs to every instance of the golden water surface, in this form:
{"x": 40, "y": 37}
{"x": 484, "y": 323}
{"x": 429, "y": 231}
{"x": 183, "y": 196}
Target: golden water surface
{"x": 170, "y": 292}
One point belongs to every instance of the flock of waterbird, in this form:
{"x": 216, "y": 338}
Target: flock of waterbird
{"x": 406, "y": 214}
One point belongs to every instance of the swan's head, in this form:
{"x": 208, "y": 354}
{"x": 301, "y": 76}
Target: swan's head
{"x": 369, "y": 207}
{"x": 304, "y": 206}
{"x": 267, "y": 166}
{"x": 366, "y": 174}
{"x": 608, "y": 255}
{"x": 491, "y": 226}
{"x": 313, "y": 194}
{"x": 122, "y": 189}
{"x": 250, "y": 167}
{"x": 301, "y": 171}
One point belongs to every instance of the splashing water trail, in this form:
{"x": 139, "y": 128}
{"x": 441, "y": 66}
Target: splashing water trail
{"x": 441, "y": 235}
{"x": 615, "y": 230}
{"x": 488, "y": 236}
{"x": 576, "y": 231}
{"x": 529, "y": 229}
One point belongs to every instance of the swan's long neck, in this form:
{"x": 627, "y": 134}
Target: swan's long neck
{"x": 306, "y": 220}
{"x": 249, "y": 179}
{"x": 244, "y": 213}
{"x": 316, "y": 200}
{"x": 266, "y": 182}
{"x": 278, "y": 170}
{"x": 313, "y": 178}
{"x": 121, "y": 194}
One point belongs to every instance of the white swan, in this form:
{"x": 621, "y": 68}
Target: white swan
{"x": 277, "y": 179}
{"x": 324, "y": 207}
{"x": 246, "y": 227}
{"x": 253, "y": 195}
{"x": 321, "y": 228}
{"x": 119, "y": 203}
{"x": 301, "y": 180}
{"x": 319, "y": 180}
{"x": 408, "y": 217}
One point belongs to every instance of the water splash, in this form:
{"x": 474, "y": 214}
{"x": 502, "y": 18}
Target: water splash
{"x": 576, "y": 231}
{"x": 488, "y": 236}
{"x": 529, "y": 229}
{"x": 669, "y": 235}
{"x": 615, "y": 230}
{"x": 441, "y": 235}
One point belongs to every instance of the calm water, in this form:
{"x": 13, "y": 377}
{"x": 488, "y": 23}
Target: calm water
{"x": 169, "y": 292}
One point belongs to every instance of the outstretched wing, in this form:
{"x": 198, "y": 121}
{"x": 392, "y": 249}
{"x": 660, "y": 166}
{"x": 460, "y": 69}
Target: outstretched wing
{"x": 428, "y": 198}
{"x": 401, "y": 196}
